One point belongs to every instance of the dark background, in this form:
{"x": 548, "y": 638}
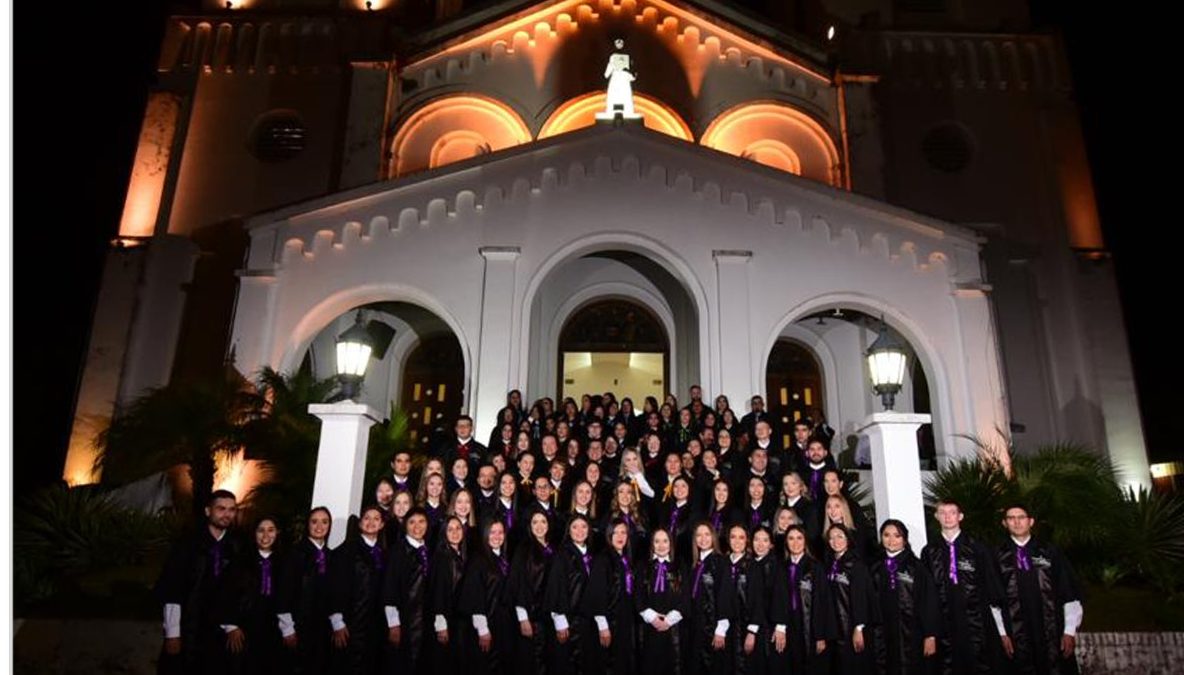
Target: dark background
{"x": 81, "y": 76}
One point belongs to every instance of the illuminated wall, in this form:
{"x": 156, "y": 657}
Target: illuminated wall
{"x": 454, "y": 128}
{"x": 581, "y": 112}
{"x": 779, "y": 136}
{"x": 151, "y": 166}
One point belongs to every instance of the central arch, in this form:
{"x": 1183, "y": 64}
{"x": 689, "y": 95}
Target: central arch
{"x": 613, "y": 344}
{"x": 620, "y": 265}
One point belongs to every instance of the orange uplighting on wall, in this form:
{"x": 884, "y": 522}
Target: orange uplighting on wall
{"x": 779, "y": 136}
{"x": 150, "y": 169}
{"x": 581, "y": 112}
{"x": 454, "y": 128}
{"x": 232, "y": 471}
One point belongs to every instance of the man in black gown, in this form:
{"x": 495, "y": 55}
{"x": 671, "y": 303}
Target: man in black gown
{"x": 1043, "y": 602}
{"x": 969, "y": 593}
{"x": 193, "y": 575}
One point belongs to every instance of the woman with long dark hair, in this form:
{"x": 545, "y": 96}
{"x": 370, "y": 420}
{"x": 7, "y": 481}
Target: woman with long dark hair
{"x": 444, "y": 583}
{"x": 248, "y": 606}
{"x": 303, "y": 600}
{"x": 709, "y": 605}
{"x": 851, "y": 596}
{"x": 488, "y": 647}
{"x": 801, "y": 612}
{"x": 528, "y": 586}
{"x": 356, "y": 571}
{"x": 760, "y": 588}
{"x": 906, "y": 639}
{"x": 577, "y": 611}
{"x": 622, "y": 595}
{"x": 661, "y": 603}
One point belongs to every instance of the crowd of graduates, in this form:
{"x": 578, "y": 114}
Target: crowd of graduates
{"x": 597, "y": 539}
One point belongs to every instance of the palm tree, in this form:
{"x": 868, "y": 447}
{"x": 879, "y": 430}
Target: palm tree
{"x": 182, "y": 423}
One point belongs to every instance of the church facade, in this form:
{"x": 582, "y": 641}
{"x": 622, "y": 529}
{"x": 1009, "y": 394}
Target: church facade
{"x": 799, "y": 178}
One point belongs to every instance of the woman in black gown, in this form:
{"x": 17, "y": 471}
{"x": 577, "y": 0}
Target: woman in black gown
{"x": 488, "y": 647}
{"x": 660, "y": 601}
{"x": 444, "y": 584}
{"x": 906, "y": 639}
{"x": 576, "y": 603}
{"x": 355, "y": 597}
{"x": 528, "y": 579}
{"x": 302, "y": 603}
{"x": 801, "y": 612}
{"x": 709, "y": 605}
{"x": 760, "y": 587}
{"x": 622, "y": 593}
{"x": 851, "y": 596}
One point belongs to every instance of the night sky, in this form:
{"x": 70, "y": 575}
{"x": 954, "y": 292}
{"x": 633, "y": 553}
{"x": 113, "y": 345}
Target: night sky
{"x": 82, "y": 73}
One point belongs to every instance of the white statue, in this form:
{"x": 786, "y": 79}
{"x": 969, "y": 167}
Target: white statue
{"x": 620, "y": 86}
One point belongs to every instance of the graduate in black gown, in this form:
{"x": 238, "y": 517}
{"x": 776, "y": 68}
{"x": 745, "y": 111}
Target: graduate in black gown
{"x": 676, "y": 515}
{"x": 302, "y": 603}
{"x": 528, "y": 586}
{"x": 793, "y": 495}
{"x": 626, "y": 506}
{"x": 758, "y": 504}
{"x": 801, "y": 611}
{"x": 733, "y": 658}
{"x": 851, "y": 596}
{"x": 969, "y": 593}
{"x": 576, "y": 602}
{"x": 1043, "y": 601}
{"x": 720, "y": 511}
{"x": 505, "y": 509}
{"x": 623, "y": 588}
{"x": 906, "y": 639}
{"x": 759, "y": 632}
{"x": 405, "y": 595}
{"x": 661, "y": 602}
{"x": 356, "y": 570}
{"x": 489, "y": 647}
{"x": 188, "y": 588}
{"x": 248, "y": 607}
{"x": 449, "y": 561}
{"x": 709, "y": 603}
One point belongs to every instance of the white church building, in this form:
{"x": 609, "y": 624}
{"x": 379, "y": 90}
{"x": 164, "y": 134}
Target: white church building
{"x": 795, "y": 178}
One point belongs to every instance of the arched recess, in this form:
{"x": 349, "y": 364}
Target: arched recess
{"x": 779, "y": 136}
{"x": 580, "y": 112}
{"x": 454, "y": 128}
{"x": 855, "y": 399}
{"x": 658, "y": 279}
{"x": 400, "y": 305}
{"x": 613, "y": 344}
{"x": 418, "y": 363}
{"x": 795, "y": 381}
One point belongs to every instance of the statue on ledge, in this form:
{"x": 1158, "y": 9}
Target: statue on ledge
{"x": 620, "y": 86}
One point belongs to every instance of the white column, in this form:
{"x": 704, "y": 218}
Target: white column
{"x": 896, "y": 471}
{"x": 492, "y": 369}
{"x": 341, "y": 460}
{"x": 737, "y": 380}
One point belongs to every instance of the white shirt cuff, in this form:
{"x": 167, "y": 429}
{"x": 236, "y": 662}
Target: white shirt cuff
{"x": 172, "y": 620}
{"x": 392, "y": 616}
{"x": 754, "y": 628}
{"x": 441, "y": 623}
{"x": 859, "y": 627}
{"x": 673, "y": 617}
{"x": 559, "y": 620}
{"x": 481, "y": 624}
{"x": 337, "y": 621}
{"x": 721, "y": 627}
{"x": 286, "y": 624}
{"x": 601, "y": 623}
{"x": 779, "y": 628}
{"x": 522, "y": 615}
{"x": 648, "y": 615}
{"x": 997, "y": 615}
{"x": 228, "y": 628}
{"x": 1074, "y": 613}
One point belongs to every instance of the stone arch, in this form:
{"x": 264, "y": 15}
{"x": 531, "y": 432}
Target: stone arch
{"x": 748, "y": 129}
{"x": 452, "y": 128}
{"x": 580, "y": 112}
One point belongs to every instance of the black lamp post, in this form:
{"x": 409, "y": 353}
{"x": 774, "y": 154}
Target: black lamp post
{"x": 354, "y": 347}
{"x": 886, "y": 360}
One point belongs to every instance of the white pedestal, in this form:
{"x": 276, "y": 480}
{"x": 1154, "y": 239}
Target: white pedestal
{"x": 341, "y": 460}
{"x": 896, "y": 471}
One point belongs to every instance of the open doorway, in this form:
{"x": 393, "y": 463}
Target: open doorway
{"x": 613, "y": 345}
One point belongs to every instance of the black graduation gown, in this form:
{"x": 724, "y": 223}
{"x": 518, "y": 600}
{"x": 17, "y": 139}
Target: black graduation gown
{"x": 1035, "y": 600}
{"x": 527, "y": 588}
{"x": 484, "y": 592}
{"x": 851, "y": 596}
{"x": 511, "y": 517}
{"x": 405, "y": 587}
{"x": 908, "y": 614}
{"x": 445, "y": 580}
{"x": 304, "y": 593}
{"x": 762, "y": 516}
{"x": 807, "y": 512}
{"x": 577, "y": 590}
{"x": 739, "y": 584}
{"x": 709, "y": 599}
{"x": 966, "y": 643}
{"x": 757, "y": 601}
{"x": 623, "y": 587}
{"x": 678, "y": 521}
{"x": 193, "y": 577}
{"x": 355, "y": 591}
{"x": 723, "y": 519}
{"x": 661, "y": 652}
{"x": 813, "y": 619}
{"x": 249, "y": 602}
